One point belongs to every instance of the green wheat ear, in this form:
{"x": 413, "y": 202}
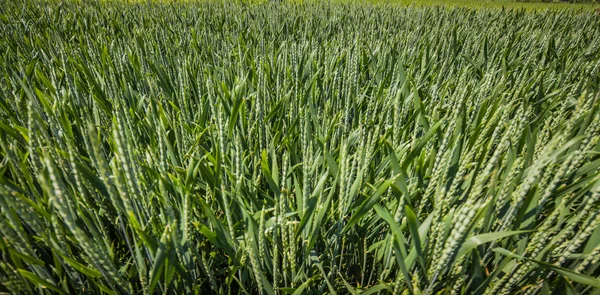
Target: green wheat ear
{"x": 298, "y": 148}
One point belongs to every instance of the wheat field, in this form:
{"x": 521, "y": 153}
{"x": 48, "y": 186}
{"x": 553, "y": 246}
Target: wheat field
{"x": 225, "y": 148}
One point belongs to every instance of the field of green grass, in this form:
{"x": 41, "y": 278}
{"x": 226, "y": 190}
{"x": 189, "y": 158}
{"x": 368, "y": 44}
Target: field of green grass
{"x": 507, "y": 4}
{"x": 492, "y": 4}
{"x": 276, "y": 148}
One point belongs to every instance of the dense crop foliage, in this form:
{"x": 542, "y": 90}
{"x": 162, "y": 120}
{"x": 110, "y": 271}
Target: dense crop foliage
{"x": 273, "y": 149}
{"x": 561, "y": 1}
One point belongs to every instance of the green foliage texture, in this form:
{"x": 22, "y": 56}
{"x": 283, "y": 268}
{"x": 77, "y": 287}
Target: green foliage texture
{"x": 280, "y": 148}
